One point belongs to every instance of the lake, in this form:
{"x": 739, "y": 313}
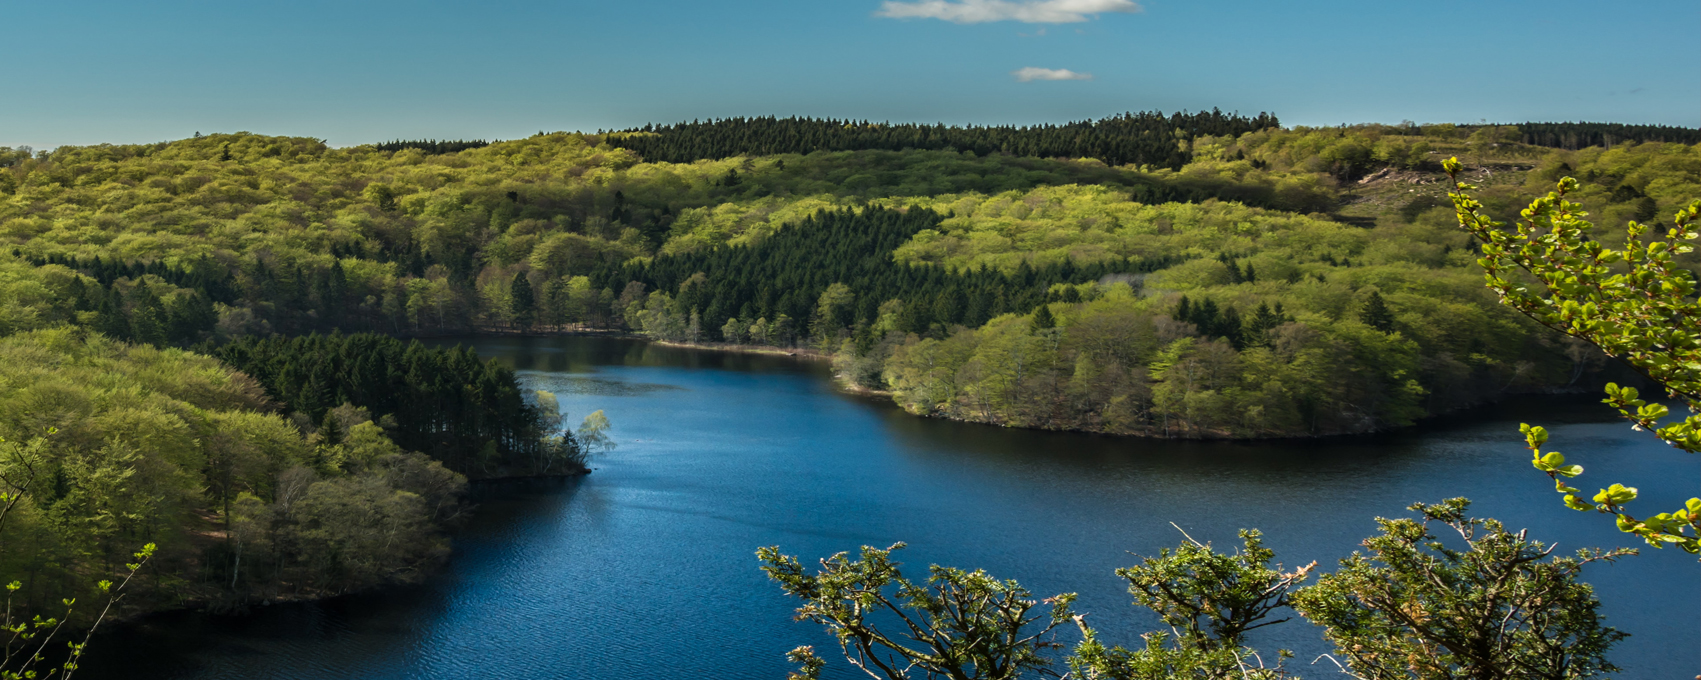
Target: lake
{"x": 646, "y": 568}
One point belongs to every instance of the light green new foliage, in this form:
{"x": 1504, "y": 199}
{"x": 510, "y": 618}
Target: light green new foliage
{"x": 1209, "y": 600}
{"x": 1487, "y": 604}
{"x": 1503, "y": 608}
{"x": 958, "y": 624}
{"x": 593, "y": 434}
{"x": 1089, "y": 224}
{"x": 1637, "y": 304}
{"x": 24, "y": 639}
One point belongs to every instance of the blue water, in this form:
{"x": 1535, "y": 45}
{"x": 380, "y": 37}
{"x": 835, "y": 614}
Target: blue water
{"x": 646, "y": 568}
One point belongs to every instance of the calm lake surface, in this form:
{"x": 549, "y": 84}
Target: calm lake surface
{"x": 646, "y": 568}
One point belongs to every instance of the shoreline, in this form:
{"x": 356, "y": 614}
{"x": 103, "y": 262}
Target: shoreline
{"x": 846, "y": 387}
{"x": 475, "y": 487}
{"x": 479, "y": 489}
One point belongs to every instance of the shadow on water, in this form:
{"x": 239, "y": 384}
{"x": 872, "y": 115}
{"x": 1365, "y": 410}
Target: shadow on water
{"x": 337, "y": 636}
{"x": 584, "y": 355}
{"x": 977, "y": 443}
{"x": 645, "y": 568}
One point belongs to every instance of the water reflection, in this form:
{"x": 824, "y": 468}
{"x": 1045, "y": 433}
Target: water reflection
{"x": 644, "y": 569}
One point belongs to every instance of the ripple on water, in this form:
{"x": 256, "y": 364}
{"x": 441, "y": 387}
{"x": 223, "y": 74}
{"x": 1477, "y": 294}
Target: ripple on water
{"x": 587, "y": 385}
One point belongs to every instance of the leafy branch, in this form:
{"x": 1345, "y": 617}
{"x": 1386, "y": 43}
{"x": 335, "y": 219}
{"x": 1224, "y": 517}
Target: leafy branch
{"x": 959, "y": 624}
{"x": 23, "y": 655}
{"x": 1636, "y": 304}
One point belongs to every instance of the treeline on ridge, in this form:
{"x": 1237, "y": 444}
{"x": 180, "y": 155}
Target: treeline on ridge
{"x": 432, "y": 146}
{"x": 1144, "y": 138}
{"x": 1583, "y": 135}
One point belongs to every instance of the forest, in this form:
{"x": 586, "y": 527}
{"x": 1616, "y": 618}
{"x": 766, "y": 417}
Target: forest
{"x": 115, "y": 444}
{"x": 207, "y": 340}
{"x": 1145, "y": 138}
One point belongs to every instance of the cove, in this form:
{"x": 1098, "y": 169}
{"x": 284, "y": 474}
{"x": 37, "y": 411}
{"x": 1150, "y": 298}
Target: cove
{"x": 646, "y": 568}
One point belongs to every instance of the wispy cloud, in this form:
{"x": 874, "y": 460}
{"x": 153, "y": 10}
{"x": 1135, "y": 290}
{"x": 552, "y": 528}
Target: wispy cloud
{"x": 1025, "y": 11}
{"x": 1033, "y": 73}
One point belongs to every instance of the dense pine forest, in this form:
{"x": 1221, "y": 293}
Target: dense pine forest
{"x": 467, "y": 413}
{"x": 1584, "y": 135}
{"x": 833, "y": 271}
{"x": 221, "y": 320}
{"x": 1146, "y": 138}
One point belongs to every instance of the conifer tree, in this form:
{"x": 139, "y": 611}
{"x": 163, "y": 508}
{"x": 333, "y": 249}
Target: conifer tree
{"x": 336, "y": 287}
{"x": 1043, "y": 319}
{"x": 521, "y": 302}
{"x": 330, "y": 431}
{"x": 1376, "y": 314}
{"x": 111, "y": 320}
{"x": 148, "y": 322}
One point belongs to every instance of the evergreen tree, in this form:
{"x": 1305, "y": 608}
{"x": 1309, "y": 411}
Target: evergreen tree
{"x": 313, "y": 397}
{"x": 1257, "y": 329}
{"x": 336, "y": 287}
{"x": 1229, "y": 327}
{"x": 330, "y": 432}
{"x": 1376, "y": 314}
{"x": 148, "y": 320}
{"x": 187, "y": 316}
{"x": 521, "y": 301}
{"x": 1042, "y": 318}
{"x": 1145, "y": 138}
{"x": 110, "y": 319}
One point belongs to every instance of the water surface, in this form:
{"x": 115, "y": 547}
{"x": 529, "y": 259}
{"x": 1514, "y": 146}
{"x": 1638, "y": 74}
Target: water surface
{"x": 645, "y": 568}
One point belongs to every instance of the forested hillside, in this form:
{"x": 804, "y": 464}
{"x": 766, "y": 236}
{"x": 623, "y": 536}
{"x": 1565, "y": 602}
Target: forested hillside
{"x": 113, "y": 445}
{"x": 885, "y": 256}
{"x": 1205, "y": 275}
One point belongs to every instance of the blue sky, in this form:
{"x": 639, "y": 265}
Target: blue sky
{"x": 82, "y": 72}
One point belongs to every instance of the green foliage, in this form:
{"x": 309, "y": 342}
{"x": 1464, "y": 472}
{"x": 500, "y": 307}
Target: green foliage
{"x": 833, "y": 270}
{"x": 1581, "y": 135}
{"x": 1203, "y": 594}
{"x": 521, "y": 303}
{"x": 174, "y": 448}
{"x": 1146, "y": 138}
{"x": 30, "y": 296}
{"x": 592, "y": 434}
{"x": 290, "y": 236}
{"x": 444, "y": 402}
{"x": 1209, "y": 601}
{"x": 432, "y": 146}
{"x": 959, "y": 624}
{"x": 1042, "y": 319}
{"x": 1375, "y": 313}
{"x": 24, "y": 653}
{"x": 1636, "y": 304}
{"x": 1416, "y": 606}
{"x": 1091, "y": 225}
{"x": 1486, "y": 604}
{"x": 1281, "y": 291}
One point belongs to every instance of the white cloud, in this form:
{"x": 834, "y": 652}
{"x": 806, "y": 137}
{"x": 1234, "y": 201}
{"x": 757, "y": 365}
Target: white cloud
{"x": 1025, "y": 11}
{"x": 1033, "y": 73}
